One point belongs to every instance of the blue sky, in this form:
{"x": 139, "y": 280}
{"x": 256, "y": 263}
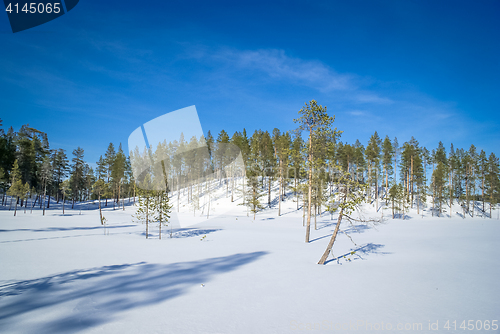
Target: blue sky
{"x": 428, "y": 69}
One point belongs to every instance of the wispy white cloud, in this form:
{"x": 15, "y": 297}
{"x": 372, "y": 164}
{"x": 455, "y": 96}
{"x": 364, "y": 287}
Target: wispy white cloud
{"x": 357, "y": 113}
{"x": 368, "y": 97}
{"x": 277, "y": 65}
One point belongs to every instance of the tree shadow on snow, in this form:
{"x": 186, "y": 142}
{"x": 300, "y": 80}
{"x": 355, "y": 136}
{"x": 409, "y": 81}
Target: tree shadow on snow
{"x": 184, "y": 232}
{"x": 62, "y": 229}
{"x": 400, "y": 216}
{"x": 355, "y": 253}
{"x": 98, "y": 295}
{"x": 350, "y": 229}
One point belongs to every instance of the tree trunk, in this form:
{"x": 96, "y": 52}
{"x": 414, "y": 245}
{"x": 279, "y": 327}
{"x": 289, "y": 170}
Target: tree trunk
{"x": 159, "y": 225}
{"x": 482, "y": 193}
{"x": 308, "y": 225}
{"x": 296, "y": 192}
{"x": 119, "y": 192}
{"x": 451, "y": 188}
{"x": 232, "y": 185}
{"x": 280, "y": 189}
{"x": 433, "y": 191}
{"x": 393, "y": 208}
{"x": 332, "y": 239}
{"x": 269, "y": 180}
{"x": 370, "y": 182}
{"x": 467, "y": 187}
{"x": 254, "y": 191}
{"x": 44, "y": 196}
{"x": 440, "y": 201}
{"x": 386, "y": 183}
{"x": 208, "y": 210}
{"x": 100, "y": 210}
{"x": 418, "y": 203}
{"x": 315, "y": 212}
{"x": 147, "y": 216}
{"x": 395, "y": 165}
{"x": 303, "y": 210}
{"x": 15, "y": 209}
{"x": 411, "y": 181}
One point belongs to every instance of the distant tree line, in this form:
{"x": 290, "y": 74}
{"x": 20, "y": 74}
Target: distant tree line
{"x": 306, "y": 166}
{"x": 33, "y": 173}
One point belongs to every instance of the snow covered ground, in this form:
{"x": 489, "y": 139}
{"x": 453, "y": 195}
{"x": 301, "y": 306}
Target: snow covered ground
{"x": 231, "y": 274}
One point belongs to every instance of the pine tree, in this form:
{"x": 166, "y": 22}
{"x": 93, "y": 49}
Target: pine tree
{"x": 98, "y": 187}
{"x": 46, "y": 178}
{"x": 77, "y": 176}
{"x": 162, "y": 209}
{"x": 351, "y": 196}
{"x": 118, "y": 173}
{"x": 109, "y": 159}
{"x": 492, "y": 181}
{"x": 7, "y": 152}
{"x": 439, "y": 180}
{"x": 316, "y": 121}
{"x": 88, "y": 179}
{"x": 101, "y": 169}
{"x": 297, "y": 161}
{"x": 241, "y": 141}
{"x": 387, "y": 154}
{"x": 373, "y": 157}
{"x": 244, "y": 145}
{"x": 252, "y": 200}
{"x": 64, "y": 187}
{"x": 282, "y": 144}
{"x": 130, "y": 178}
{"x": 17, "y": 190}
{"x": 146, "y": 208}
{"x": 472, "y": 170}
{"x": 396, "y": 152}
{"x": 482, "y": 164}
{"x": 268, "y": 161}
{"x": 395, "y": 194}
{"x": 210, "y": 143}
{"x": 359, "y": 161}
{"x": 452, "y": 164}
{"x": 413, "y": 170}
{"x": 3, "y": 183}
{"x": 60, "y": 167}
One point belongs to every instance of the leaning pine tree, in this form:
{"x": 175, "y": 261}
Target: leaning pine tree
{"x": 351, "y": 195}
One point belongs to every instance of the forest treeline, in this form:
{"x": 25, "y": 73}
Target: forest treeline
{"x": 402, "y": 174}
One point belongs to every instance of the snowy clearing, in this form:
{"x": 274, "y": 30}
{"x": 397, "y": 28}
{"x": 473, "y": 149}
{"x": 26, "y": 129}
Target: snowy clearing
{"x": 230, "y": 274}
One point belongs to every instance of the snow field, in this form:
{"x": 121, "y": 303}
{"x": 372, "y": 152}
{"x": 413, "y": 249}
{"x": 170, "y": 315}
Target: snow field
{"x": 67, "y": 274}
